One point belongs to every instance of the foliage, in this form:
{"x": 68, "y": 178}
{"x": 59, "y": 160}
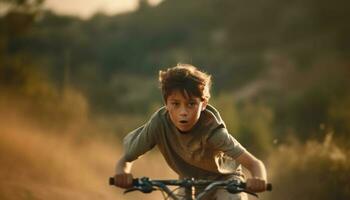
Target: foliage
{"x": 256, "y": 127}
{"x": 280, "y": 70}
{"x": 310, "y": 171}
{"x": 292, "y": 49}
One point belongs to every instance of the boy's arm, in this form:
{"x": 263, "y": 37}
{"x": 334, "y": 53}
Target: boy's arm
{"x": 123, "y": 177}
{"x": 123, "y": 166}
{"x": 135, "y": 143}
{"x": 257, "y": 169}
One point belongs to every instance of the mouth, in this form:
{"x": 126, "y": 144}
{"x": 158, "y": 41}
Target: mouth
{"x": 183, "y": 121}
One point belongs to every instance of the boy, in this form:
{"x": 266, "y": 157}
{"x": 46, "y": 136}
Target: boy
{"x": 191, "y": 136}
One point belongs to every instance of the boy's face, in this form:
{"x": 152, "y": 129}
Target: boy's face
{"x": 184, "y": 111}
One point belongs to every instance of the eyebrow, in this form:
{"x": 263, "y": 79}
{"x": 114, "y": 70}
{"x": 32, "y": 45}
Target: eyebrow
{"x": 189, "y": 100}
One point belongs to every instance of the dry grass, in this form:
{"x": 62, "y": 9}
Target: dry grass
{"x": 41, "y": 163}
{"x": 314, "y": 170}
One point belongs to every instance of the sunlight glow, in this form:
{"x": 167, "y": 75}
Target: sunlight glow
{"x": 86, "y": 8}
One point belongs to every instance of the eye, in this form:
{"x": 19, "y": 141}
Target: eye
{"x": 175, "y": 103}
{"x": 192, "y": 104}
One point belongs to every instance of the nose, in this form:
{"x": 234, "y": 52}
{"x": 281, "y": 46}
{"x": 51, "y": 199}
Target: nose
{"x": 183, "y": 112}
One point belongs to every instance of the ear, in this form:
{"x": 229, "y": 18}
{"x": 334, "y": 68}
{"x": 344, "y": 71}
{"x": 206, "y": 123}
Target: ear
{"x": 166, "y": 105}
{"x": 204, "y": 105}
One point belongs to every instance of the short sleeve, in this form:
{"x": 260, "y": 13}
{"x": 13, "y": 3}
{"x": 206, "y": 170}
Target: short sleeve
{"x": 221, "y": 141}
{"x": 141, "y": 140}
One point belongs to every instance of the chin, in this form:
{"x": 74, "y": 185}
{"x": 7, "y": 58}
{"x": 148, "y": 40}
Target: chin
{"x": 184, "y": 130}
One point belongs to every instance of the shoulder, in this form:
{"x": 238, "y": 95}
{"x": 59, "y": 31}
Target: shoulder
{"x": 158, "y": 117}
{"x": 219, "y": 134}
{"x": 211, "y": 109}
{"x": 211, "y": 118}
{"x": 159, "y": 114}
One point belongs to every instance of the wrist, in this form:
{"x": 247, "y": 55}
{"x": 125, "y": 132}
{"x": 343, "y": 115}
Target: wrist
{"x": 123, "y": 167}
{"x": 259, "y": 178}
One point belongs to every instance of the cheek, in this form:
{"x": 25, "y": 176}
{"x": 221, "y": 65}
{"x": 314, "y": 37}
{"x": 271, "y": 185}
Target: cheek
{"x": 196, "y": 114}
{"x": 172, "y": 114}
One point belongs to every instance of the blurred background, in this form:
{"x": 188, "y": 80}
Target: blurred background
{"x": 77, "y": 76}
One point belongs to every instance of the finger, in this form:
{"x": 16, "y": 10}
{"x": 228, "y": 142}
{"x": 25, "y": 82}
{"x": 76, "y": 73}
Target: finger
{"x": 261, "y": 186}
{"x": 250, "y": 184}
{"x": 116, "y": 180}
{"x": 125, "y": 181}
{"x": 120, "y": 180}
{"x": 256, "y": 185}
{"x": 129, "y": 180}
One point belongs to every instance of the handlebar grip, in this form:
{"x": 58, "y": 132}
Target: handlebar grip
{"x": 111, "y": 181}
{"x": 269, "y": 187}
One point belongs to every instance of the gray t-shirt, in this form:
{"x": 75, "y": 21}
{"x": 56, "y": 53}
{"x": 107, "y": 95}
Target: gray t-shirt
{"x": 207, "y": 151}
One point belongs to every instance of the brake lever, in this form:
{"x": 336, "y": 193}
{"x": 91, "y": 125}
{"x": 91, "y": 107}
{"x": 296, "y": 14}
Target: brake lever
{"x": 141, "y": 189}
{"x": 236, "y": 189}
{"x": 251, "y": 193}
{"x": 131, "y": 190}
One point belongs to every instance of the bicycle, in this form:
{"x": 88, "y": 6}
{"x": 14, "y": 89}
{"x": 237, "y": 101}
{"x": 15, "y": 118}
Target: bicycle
{"x": 146, "y": 185}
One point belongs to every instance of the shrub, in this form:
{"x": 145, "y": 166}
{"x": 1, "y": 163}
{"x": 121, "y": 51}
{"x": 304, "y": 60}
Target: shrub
{"x": 310, "y": 171}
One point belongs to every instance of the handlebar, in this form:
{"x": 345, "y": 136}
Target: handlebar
{"x": 185, "y": 182}
{"x": 147, "y": 185}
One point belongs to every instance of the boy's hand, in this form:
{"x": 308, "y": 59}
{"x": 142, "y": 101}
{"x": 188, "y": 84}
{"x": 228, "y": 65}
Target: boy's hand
{"x": 123, "y": 180}
{"x": 256, "y": 185}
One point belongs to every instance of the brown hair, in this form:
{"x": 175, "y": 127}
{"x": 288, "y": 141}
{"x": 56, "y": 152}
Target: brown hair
{"x": 187, "y": 79}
